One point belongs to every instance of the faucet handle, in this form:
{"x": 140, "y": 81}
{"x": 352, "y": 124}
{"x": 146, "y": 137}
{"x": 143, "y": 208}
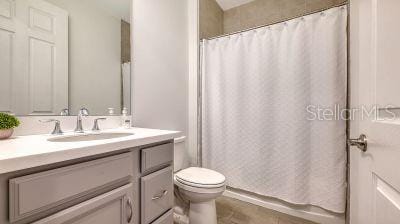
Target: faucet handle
{"x": 84, "y": 112}
{"x": 64, "y": 112}
{"x": 96, "y": 123}
{"x": 57, "y": 128}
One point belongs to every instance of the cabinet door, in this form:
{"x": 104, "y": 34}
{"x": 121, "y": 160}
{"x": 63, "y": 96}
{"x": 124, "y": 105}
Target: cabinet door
{"x": 113, "y": 207}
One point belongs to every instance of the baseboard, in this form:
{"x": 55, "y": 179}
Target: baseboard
{"x": 311, "y": 213}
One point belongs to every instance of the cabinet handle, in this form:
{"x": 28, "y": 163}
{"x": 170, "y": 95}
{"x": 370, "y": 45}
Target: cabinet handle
{"x": 165, "y": 192}
{"x": 129, "y": 203}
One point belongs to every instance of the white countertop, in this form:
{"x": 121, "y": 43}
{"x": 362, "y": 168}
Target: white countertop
{"x": 24, "y": 152}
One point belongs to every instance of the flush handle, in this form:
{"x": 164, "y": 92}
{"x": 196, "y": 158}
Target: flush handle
{"x": 361, "y": 142}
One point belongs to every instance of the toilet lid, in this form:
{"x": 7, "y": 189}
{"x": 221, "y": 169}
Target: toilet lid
{"x": 200, "y": 177}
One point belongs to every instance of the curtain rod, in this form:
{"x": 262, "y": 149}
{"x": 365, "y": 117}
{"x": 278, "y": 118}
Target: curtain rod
{"x": 282, "y": 21}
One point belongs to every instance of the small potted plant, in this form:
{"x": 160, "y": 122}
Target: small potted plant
{"x": 7, "y": 124}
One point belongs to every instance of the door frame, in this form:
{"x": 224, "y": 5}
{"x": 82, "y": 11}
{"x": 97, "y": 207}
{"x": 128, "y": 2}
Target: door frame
{"x": 193, "y": 144}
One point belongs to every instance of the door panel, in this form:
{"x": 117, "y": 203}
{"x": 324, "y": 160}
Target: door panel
{"x": 41, "y": 72}
{"x": 387, "y": 200}
{"x": 41, "y": 20}
{"x": 6, "y": 8}
{"x": 6, "y": 69}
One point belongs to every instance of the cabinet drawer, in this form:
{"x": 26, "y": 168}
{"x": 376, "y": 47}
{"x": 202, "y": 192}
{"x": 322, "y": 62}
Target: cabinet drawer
{"x": 157, "y": 195}
{"x": 157, "y": 156}
{"x": 109, "y": 208}
{"x": 32, "y": 194}
{"x": 167, "y": 218}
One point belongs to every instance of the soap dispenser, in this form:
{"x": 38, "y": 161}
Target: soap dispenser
{"x": 125, "y": 118}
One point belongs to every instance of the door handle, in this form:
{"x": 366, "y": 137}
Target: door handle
{"x": 361, "y": 142}
{"x": 130, "y": 216}
{"x": 165, "y": 192}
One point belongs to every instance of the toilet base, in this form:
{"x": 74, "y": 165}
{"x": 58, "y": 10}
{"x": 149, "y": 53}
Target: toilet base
{"x": 203, "y": 212}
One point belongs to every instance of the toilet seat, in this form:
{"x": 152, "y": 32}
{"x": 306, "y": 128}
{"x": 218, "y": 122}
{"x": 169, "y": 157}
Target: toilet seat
{"x": 200, "y": 178}
{"x": 198, "y": 190}
{"x": 199, "y": 185}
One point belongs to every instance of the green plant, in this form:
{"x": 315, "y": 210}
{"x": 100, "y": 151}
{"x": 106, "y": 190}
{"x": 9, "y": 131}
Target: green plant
{"x": 8, "y": 121}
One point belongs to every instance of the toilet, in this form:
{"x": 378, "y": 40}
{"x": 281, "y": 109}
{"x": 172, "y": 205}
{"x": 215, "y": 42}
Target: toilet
{"x": 199, "y": 186}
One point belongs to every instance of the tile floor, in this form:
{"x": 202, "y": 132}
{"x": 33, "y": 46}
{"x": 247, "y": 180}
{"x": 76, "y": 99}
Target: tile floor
{"x": 232, "y": 211}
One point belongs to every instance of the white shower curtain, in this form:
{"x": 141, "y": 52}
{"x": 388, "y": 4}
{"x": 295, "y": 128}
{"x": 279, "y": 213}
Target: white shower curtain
{"x": 256, "y": 128}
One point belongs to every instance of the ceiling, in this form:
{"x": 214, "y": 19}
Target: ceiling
{"x": 117, "y": 8}
{"x": 228, "y": 4}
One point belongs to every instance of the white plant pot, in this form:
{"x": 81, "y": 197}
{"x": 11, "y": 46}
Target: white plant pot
{"x": 6, "y": 133}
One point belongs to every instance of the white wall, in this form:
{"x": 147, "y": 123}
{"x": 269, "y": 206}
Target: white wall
{"x": 94, "y": 57}
{"x": 193, "y": 84}
{"x": 160, "y": 64}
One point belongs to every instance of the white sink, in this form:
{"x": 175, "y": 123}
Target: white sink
{"x": 89, "y": 137}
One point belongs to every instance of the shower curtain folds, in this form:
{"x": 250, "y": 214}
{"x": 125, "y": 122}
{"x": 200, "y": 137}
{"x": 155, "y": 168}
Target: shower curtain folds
{"x": 260, "y": 92}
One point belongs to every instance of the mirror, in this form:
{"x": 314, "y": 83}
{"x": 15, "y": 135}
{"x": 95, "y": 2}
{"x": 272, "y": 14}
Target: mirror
{"x": 57, "y": 56}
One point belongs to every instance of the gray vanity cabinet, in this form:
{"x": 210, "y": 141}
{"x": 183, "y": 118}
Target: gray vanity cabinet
{"x": 114, "y": 207}
{"x": 101, "y": 189}
{"x": 157, "y": 186}
{"x": 123, "y": 187}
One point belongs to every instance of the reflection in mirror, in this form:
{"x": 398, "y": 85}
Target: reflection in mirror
{"x": 57, "y": 56}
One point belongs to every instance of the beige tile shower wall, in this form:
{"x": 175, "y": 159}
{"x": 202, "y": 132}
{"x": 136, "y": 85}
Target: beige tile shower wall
{"x": 211, "y": 19}
{"x": 125, "y": 41}
{"x": 262, "y": 12}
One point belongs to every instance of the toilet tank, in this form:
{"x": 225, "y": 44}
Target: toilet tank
{"x": 180, "y": 154}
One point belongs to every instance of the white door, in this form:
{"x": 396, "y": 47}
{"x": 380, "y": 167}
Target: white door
{"x": 375, "y": 79}
{"x": 7, "y": 48}
{"x": 34, "y": 33}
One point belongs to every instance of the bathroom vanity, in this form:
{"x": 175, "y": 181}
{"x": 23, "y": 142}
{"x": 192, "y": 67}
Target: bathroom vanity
{"x": 71, "y": 179}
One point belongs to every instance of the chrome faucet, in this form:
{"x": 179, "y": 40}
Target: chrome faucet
{"x": 82, "y": 113}
{"x": 57, "y": 128}
{"x": 96, "y": 123}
